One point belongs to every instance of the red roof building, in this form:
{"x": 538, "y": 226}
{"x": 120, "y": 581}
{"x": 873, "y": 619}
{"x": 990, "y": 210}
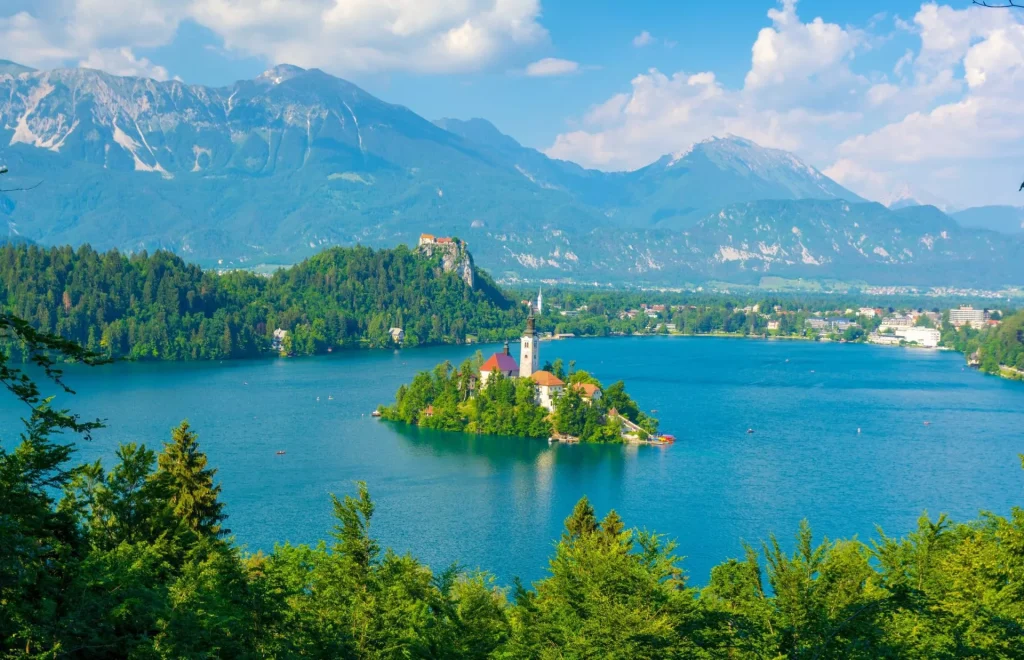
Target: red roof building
{"x": 588, "y": 390}
{"x": 503, "y": 363}
{"x": 546, "y": 379}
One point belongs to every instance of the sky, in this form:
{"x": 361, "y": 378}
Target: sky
{"x": 890, "y": 98}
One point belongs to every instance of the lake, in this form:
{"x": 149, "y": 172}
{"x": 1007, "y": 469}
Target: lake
{"x": 498, "y": 503}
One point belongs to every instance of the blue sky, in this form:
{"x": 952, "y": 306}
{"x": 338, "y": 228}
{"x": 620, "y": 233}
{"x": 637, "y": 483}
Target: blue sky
{"x": 888, "y": 97}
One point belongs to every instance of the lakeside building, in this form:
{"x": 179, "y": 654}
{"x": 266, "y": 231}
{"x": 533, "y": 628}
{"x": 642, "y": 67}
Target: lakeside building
{"x": 927, "y": 337}
{"x": 967, "y": 315}
{"x": 896, "y": 323}
{"x": 503, "y": 363}
{"x": 397, "y": 335}
{"x": 831, "y": 324}
{"x": 549, "y": 387}
{"x": 588, "y": 391}
{"x": 277, "y": 343}
{"x": 883, "y": 340}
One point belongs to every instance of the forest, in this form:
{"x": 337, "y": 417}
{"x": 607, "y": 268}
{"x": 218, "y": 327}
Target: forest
{"x": 156, "y": 306}
{"x": 136, "y": 560}
{"x": 450, "y": 399}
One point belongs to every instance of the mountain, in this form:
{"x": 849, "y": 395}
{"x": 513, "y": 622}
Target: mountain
{"x": 1006, "y": 219}
{"x": 906, "y": 198}
{"x": 275, "y": 169}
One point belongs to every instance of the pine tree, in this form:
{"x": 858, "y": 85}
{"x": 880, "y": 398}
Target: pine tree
{"x": 193, "y": 494}
{"x": 582, "y": 522}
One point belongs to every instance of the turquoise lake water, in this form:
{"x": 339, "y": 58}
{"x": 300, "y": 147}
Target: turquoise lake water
{"x": 498, "y": 503}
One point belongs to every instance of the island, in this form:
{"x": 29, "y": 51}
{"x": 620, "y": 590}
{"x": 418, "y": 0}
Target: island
{"x": 501, "y": 397}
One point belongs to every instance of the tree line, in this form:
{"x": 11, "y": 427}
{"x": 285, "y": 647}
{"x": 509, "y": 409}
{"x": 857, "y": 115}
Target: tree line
{"x": 157, "y": 306}
{"x": 136, "y": 560}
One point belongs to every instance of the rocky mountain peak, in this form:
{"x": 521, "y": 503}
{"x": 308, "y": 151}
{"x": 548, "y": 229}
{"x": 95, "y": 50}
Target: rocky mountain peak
{"x": 280, "y": 73}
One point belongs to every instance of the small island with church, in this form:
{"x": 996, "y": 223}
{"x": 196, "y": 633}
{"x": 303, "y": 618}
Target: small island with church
{"x": 497, "y": 396}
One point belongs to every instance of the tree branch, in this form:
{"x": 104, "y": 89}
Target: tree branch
{"x": 7, "y": 190}
{"x": 3, "y": 170}
{"x": 1008, "y": 4}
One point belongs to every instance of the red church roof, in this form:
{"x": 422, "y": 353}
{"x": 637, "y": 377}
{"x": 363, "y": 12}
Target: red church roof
{"x": 501, "y": 362}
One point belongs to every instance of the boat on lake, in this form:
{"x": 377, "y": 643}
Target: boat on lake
{"x": 375, "y": 413}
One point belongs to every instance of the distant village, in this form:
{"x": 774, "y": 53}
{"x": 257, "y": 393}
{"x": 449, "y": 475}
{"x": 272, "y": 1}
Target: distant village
{"x": 871, "y": 324}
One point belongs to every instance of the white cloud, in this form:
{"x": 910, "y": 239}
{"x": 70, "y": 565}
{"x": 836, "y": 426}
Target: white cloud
{"x": 122, "y": 62}
{"x": 25, "y": 39}
{"x": 643, "y": 39}
{"x": 952, "y": 104}
{"x": 340, "y": 36}
{"x": 882, "y": 92}
{"x": 663, "y": 113}
{"x": 552, "y": 66}
{"x": 791, "y": 50}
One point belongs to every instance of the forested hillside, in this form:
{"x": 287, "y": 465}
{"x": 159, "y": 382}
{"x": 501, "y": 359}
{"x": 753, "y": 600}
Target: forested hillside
{"x": 159, "y": 307}
{"x": 1004, "y": 346}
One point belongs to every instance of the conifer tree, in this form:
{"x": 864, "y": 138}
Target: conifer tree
{"x": 582, "y": 521}
{"x": 193, "y": 494}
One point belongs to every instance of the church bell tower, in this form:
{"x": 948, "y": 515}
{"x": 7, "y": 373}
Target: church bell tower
{"x": 529, "y": 350}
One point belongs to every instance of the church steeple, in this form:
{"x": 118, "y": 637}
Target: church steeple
{"x": 529, "y": 349}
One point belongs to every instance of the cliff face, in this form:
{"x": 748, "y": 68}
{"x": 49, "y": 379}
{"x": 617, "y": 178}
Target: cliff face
{"x": 454, "y": 258}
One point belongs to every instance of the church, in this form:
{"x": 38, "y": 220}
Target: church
{"x": 548, "y": 385}
{"x": 504, "y": 363}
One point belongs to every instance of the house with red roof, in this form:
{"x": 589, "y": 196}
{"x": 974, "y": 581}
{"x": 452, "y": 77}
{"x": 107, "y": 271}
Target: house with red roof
{"x": 588, "y": 391}
{"x": 549, "y": 387}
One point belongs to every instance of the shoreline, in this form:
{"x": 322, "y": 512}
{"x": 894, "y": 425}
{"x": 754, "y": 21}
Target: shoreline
{"x": 1006, "y": 373}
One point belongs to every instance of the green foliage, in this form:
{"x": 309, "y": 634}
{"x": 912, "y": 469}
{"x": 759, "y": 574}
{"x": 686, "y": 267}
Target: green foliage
{"x": 450, "y": 399}
{"x": 1004, "y": 346}
{"x": 158, "y": 307}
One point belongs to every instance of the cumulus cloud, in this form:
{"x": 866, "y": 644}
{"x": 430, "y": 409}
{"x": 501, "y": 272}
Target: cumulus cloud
{"x": 123, "y": 62}
{"x": 667, "y": 112}
{"x": 643, "y": 39}
{"x": 552, "y": 66}
{"x": 955, "y": 99}
{"x": 340, "y": 36}
{"x": 791, "y": 50}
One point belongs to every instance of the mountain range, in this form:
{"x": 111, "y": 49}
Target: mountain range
{"x": 270, "y": 170}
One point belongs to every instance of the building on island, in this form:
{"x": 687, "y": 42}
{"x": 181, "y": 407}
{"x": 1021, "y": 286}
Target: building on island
{"x": 588, "y": 391}
{"x": 502, "y": 363}
{"x": 549, "y": 388}
{"x": 397, "y": 335}
{"x": 529, "y": 350}
{"x": 967, "y": 315}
